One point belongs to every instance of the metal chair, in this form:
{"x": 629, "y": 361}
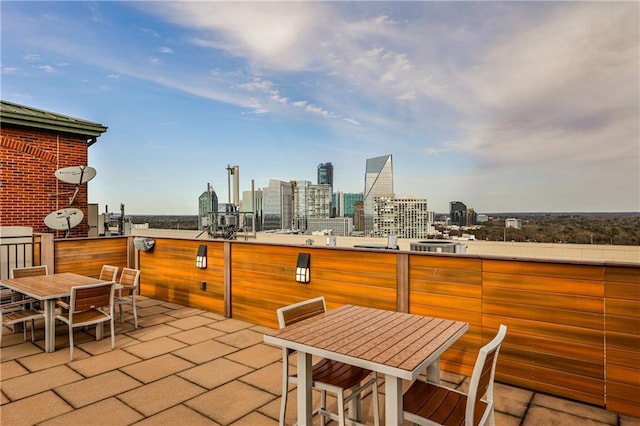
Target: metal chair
{"x": 90, "y": 304}
{"x": 430, "y": 404}
{"x": 19, "y": 312}
{"x": 129, "y": 280}
{"x": 108, "y": 273}
{"x": 327, "y": 375}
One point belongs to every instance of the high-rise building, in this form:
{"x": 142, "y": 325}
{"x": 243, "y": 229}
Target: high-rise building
{"x": 458, "y": 213}
{"x": 404, "y": 217}
{"x": 277, "y": 205}
{"x": 310, "y": 201}
{"x": 346, "y": 203}
{"x": 252, "y": 206}
{"x": 378, "y": 181}
{"x": 325, "y": 174}
{"x": 207, "y": 207}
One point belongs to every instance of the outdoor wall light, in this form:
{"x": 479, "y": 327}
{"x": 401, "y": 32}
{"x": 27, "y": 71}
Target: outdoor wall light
{"x": 201, "y": 258}
{"x": 302, "y": 267}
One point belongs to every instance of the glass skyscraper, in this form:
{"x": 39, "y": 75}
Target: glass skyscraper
{"x": 378, "y": 181}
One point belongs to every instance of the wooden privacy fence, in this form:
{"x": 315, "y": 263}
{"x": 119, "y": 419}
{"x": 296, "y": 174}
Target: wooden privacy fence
{"x": 574, "y": 327}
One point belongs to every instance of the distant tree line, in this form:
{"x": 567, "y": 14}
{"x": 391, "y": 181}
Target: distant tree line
{"x": 167, "y": 222}
{"x": 606, "y": 228}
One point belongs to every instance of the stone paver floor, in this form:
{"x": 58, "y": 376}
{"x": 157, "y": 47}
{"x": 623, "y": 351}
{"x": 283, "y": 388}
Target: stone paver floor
{"x": 192, "y": 367}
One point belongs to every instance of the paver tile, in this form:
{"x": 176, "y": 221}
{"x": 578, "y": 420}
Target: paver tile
{"x": 197, "y": 335}
{"x": 157, "y": 368}
{"x": 98, "y": 364}
{"x": 215, "y": 373}
{"x": 253, "y": 419}
{"x": 177, "y": 415}
{"x": 110, "y": 411}
{"x": 96, "y": 347}
{"x": 46, "y": 360}
{"x": 155, "y": 347}
{"x": 581, "y": 410}
{"x": 538, "y": 415}
{"x": 22, "y": 412}
{"x": 205, "y": 351}
{"x": 155, "y": 397}
{"x": 241, "y": 339}
{"x": 223, "y": 405}
{"x": 18, "y": 351}
{"x": 193, "y": 321}
{"x": 150, "y": 333}
{"x": 40, "y": 381}
{"x": 184, "y": 312}
{"x": 96, "y": 388}
{"x": 144, "y": 311}
{"x": 511, "y": 400}
{"x": 231, "y": 325}
{"x": 256, "y": 356}
{"x": 267, "y": 378}
{"x": 11, "y": 369}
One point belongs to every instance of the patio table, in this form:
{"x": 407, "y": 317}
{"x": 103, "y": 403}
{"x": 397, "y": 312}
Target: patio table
{"x": 48, "y": 288}
{"x": 397, "y": 345}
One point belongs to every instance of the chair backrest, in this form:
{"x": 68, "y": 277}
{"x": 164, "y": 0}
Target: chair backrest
{"x": 109, "y": 273}
{"x": 85, "y": 297}
{"x": 482, "y": 378}
{"x": 29, "y": 271}
{"x": 300, "y": 311}
{"x": 130, "y": 277}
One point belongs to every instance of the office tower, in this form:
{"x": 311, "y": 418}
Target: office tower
{"x": 325, "y": 174}
{"x": 277, "y": 205}
{"x": 404, "y": 217}
{"x": 347, "y": 203}
{"x": 378, "y": 181}
{"x": 458, "y": 213}
{"x": 358, "y": 216}
{"x": 207, "y": 207}
{"x": 310, "y": 202}
{"x": 252, "y": 206}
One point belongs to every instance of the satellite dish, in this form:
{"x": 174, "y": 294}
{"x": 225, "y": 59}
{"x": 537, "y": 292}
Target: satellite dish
{"x": 64, "y": 219}
{"x": 76, "y": 175}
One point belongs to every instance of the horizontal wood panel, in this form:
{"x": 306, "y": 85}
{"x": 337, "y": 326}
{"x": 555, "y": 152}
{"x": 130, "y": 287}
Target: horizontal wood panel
{"x": 624, "y": 308}
{"x": 623, "y": 274}
{"x": 565, "y": 317}
{"x": 623, "y": 392}
{"x": 417, "y": 286}
{"x": 442, "y": 301}
{"x": 547, "y": 284}
{"x": 563, "y": 384}
{"x": 86, "y": 256}
{"x": 540, "y": 269}
{"x": 543, "y": 300}
{"x": 424, "y": 260}
{"x": 440, "y": 275}
{"x": 547, "y": 330}
{"x": 629, "y": 374}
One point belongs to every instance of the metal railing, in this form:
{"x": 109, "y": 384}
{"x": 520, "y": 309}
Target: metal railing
{"x": 18, "y": 252}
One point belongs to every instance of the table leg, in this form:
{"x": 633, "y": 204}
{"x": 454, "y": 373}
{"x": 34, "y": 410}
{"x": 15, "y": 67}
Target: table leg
{"x": 433, "y": 372}
{"x": 49, "y": 325}
{"x": 305, "y": 403}
{"x": 392, "y": 400}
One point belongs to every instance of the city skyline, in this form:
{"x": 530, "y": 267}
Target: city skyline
{"x": 506, "y": 106}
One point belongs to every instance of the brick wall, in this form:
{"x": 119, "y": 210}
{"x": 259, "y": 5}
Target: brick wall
{"x": 29, "y": 189}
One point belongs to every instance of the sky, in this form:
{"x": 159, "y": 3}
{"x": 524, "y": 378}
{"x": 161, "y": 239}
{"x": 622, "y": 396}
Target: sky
{"x": 505, "y": 106}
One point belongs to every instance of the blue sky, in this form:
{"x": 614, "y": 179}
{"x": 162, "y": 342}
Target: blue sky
{"x": 505, "y": 106}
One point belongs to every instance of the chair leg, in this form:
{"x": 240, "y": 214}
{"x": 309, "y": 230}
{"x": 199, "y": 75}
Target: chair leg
{"x": 71, "y": 341}
{"x": 113, "y": 335}
{"x": 376, "y": 402}
{"x": 323, "y": 407}
{"x": 121, "y": 314}
{"x": 340, "y": 401}
{"x": 285, "y": 391}
{"x": 33, "y": 327}
{"x": 135, "y": 313}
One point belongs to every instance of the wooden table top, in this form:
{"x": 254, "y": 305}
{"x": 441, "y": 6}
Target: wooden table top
{"x": 51, "y": 286}
{"x": 389, "y": 342}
